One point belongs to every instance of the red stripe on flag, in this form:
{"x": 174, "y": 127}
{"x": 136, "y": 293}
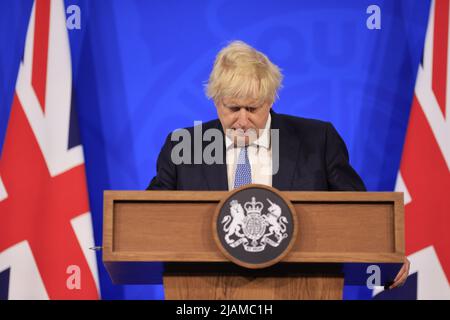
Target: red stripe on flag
{"x": 40, "y": 50}
{"x": 440, "y": 43}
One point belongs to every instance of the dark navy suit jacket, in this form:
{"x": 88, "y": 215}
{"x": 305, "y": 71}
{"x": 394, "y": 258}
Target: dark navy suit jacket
{"x": 312, "y": 157}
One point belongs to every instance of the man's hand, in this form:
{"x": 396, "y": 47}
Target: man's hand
{"x": 402, "y": 275}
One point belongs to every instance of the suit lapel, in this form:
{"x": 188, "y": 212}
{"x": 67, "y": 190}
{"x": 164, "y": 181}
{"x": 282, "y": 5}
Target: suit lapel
{"x": 289, "y": 145}
{"x": 216, "y": 174}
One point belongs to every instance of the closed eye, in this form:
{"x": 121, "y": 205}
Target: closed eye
{"x": 237, "y": 108}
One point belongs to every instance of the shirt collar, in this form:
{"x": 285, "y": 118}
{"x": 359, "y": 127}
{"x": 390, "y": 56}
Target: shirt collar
{"x": 262, "y": 141}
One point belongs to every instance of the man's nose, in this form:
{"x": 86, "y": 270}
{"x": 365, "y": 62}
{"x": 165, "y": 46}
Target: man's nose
{"x": 243, "y": 118}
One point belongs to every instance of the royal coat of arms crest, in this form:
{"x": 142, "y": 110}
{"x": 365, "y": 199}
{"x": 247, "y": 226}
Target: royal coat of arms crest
{"x": 249, "y": 226}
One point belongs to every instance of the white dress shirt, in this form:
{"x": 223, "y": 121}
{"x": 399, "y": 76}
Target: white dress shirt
{"x": 259, "y": 156}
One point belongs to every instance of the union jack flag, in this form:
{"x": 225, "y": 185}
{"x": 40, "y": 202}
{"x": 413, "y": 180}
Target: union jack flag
{"x": 424, "y": 175}
{"x": 45, "y": 221}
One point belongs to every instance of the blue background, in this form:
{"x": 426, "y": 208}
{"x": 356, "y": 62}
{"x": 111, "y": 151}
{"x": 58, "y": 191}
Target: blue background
{"x": 139, "y": 69}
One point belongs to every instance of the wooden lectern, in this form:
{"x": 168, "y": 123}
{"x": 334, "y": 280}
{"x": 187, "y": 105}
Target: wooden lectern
{"x": 175, "y": 227}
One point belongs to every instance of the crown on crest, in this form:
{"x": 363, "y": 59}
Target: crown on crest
{"x": 253, "y": 206}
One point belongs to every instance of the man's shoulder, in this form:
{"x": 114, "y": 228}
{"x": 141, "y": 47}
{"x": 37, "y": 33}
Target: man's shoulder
{"x": 298, "y": 124}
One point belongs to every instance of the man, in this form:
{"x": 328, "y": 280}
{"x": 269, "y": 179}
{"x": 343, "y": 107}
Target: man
{"x": 260, "y": 146}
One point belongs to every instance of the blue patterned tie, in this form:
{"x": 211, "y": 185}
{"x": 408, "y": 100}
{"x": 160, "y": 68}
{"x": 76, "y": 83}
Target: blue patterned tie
{"x": 243, "y": 174}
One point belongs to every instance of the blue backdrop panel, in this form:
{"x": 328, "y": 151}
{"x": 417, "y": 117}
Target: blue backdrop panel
{"x": 139, "y": 69}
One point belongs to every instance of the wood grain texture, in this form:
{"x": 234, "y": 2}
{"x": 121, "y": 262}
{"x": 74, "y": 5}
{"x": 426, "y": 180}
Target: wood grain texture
{"x": 227, "y": 281}
{"x": 176, "y": 226}
{"x": 223, "y": 287}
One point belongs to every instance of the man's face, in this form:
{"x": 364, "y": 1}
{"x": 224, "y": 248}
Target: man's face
{"x": 242, "y": 119}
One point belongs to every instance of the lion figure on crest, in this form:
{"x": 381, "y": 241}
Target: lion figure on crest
{"x": 233, "y": 224}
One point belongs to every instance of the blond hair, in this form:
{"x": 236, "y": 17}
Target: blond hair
{"x": 242, "y": 72}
